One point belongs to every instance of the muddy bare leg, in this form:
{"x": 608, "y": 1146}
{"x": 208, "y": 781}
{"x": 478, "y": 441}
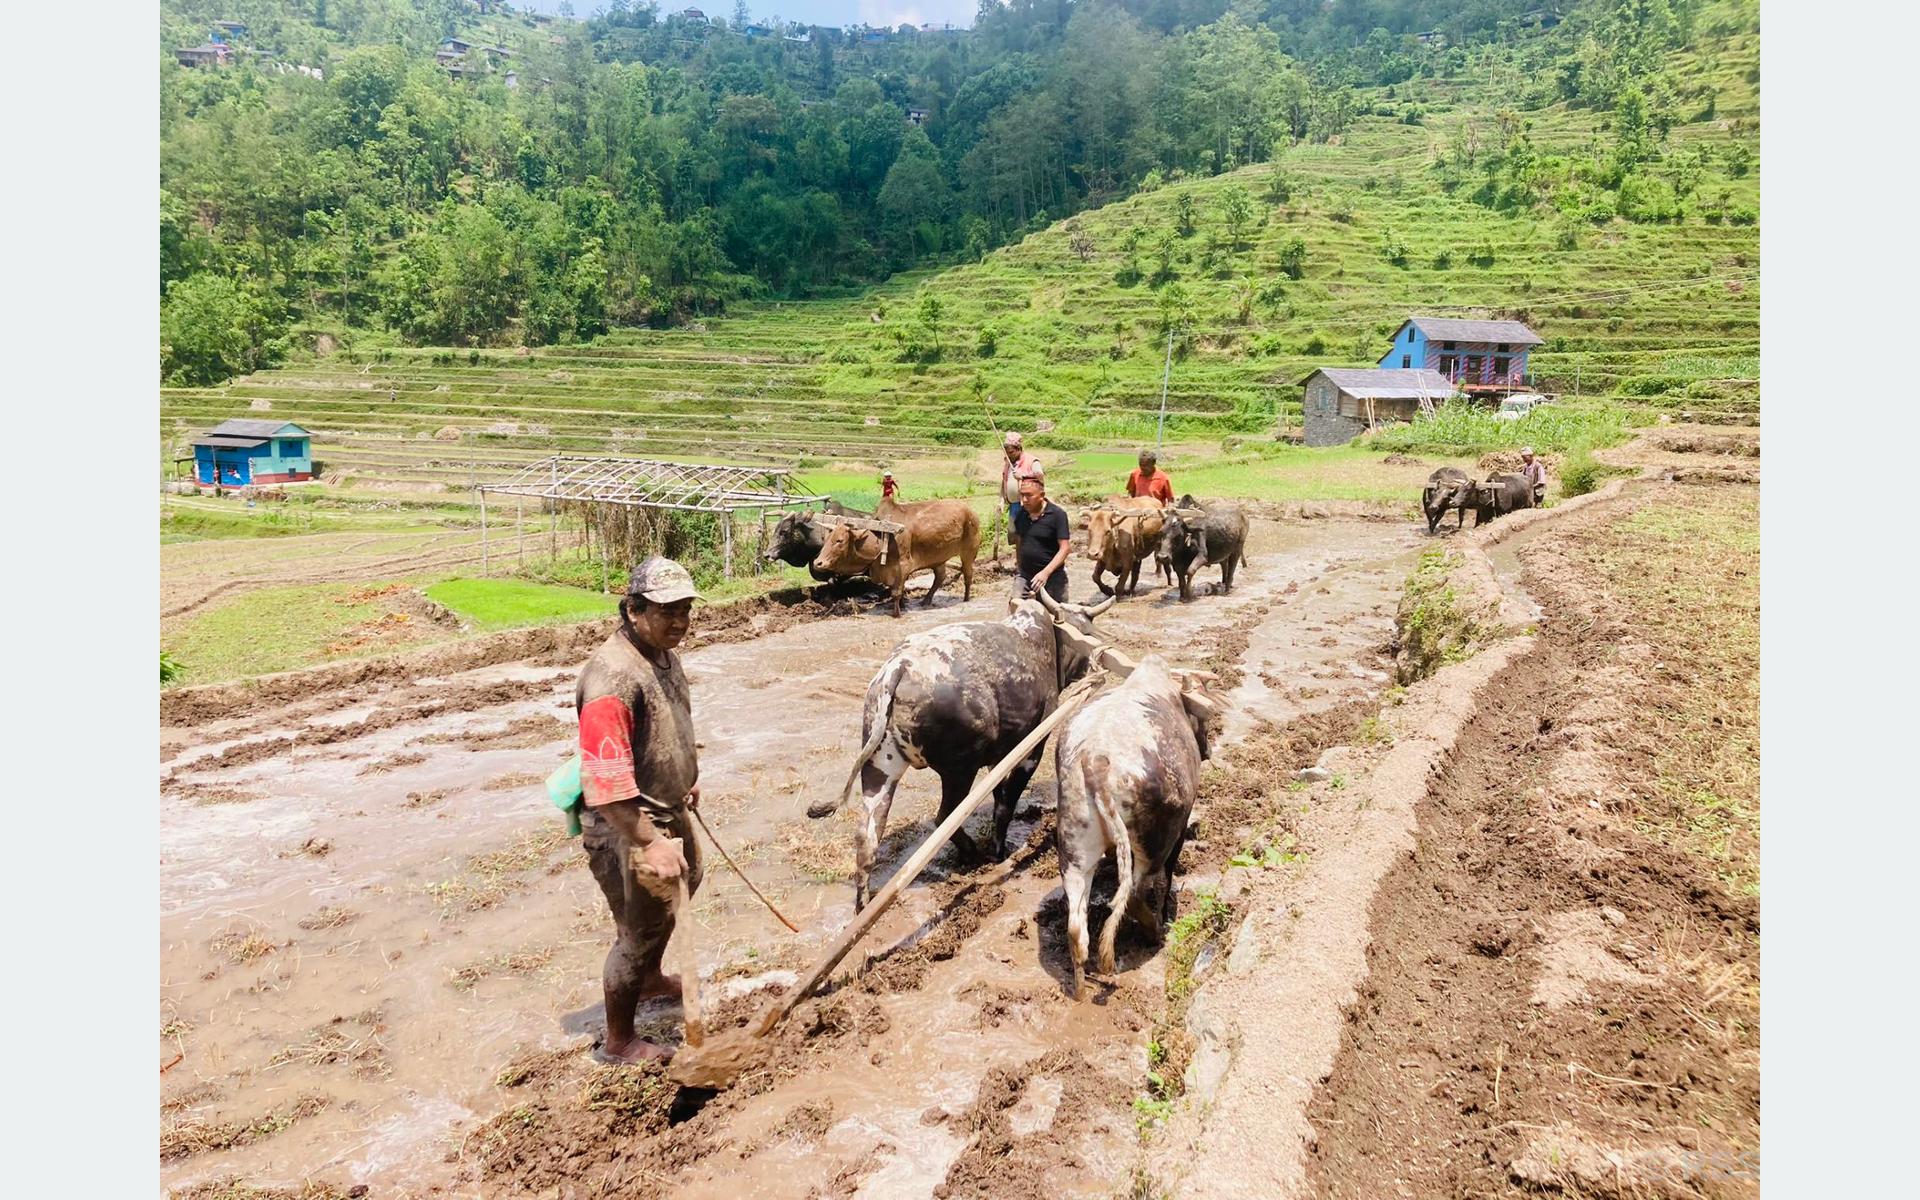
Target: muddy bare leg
{"x": 876, "y": 795}
{"x": 1006, "y": 798}
{"x": 1078, "y": 882}
{"x": 954, "y": 786}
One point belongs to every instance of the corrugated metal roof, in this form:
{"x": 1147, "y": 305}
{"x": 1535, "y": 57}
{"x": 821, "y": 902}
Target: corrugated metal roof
{"x": 230, "y": 443}
{"x": 1449, "y": 329}
{"x": 247, "y": 427}
{"x": 1388, "y": 383}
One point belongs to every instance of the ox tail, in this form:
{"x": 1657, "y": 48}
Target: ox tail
{"x": 882, "y": 718}
{"x": 1099, "y": 779}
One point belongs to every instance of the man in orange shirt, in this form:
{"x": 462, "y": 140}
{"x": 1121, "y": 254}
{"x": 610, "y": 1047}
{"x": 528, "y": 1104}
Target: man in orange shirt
{"x": 1149, "y": 480}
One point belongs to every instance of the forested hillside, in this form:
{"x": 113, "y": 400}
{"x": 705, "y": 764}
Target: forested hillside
{"x": 640, "y": 170}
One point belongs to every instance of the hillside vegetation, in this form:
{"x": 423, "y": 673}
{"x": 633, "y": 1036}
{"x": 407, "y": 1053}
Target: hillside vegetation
{"x": 1261, "y": 274}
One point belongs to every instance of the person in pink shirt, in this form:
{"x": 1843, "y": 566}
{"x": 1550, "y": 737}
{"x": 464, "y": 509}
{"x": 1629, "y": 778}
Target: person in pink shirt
{"x": 1018, "y": 465}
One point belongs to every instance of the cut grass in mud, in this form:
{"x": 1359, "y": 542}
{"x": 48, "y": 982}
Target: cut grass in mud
{"x": 198, "y": 1135}
{"x": 489, "y": 879}
{"x": 1436, "y": 624}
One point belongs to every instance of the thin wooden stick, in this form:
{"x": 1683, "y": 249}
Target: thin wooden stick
{"x": 742, "y": 874}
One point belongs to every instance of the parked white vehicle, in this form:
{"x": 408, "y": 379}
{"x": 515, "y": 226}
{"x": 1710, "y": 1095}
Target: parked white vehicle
{"x": 1515, "y": 407}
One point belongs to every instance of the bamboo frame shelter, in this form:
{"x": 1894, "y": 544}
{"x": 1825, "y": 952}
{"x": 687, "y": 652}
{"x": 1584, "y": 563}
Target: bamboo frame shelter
{"x": 650, "y": 483}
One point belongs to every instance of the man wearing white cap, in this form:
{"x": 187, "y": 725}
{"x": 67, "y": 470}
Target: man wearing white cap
{"x": 1018, "y": 465}
{"x": 640, "y": 778}
{"x": 1535, "y": 473}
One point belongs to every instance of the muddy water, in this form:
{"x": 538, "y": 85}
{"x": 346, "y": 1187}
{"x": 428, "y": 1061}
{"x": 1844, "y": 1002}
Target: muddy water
{"x": 393, "y": 916}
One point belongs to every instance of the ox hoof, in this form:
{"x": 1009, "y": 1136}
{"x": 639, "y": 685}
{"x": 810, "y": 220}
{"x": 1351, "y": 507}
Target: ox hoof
{"x": 821, "y": 808}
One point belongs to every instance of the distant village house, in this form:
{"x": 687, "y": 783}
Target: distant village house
{"x": 916, "y": 116}
{"x": 1342, "y": 403}
{"x": 1479, "y": 357}
{"x": 1432, "y": 359}
{"x": 242, "y": 452}
{"x": 213, "y": 54}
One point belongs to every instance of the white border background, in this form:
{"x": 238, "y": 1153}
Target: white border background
{"x": 1841, "y": 597}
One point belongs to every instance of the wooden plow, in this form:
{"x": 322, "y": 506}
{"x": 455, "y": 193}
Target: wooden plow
{"x": 717, "y": 1061}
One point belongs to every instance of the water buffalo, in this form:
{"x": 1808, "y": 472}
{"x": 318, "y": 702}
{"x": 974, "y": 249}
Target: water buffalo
{"x": 957, "y": 699}
{"x": 1198, "y": 537}
{"x": 936, "y": 530}
{"x": 1499, "y": 495}
{"x": 1121, "y": 534}
{"x": 797, "y": 538}
{"x": 1449, "y": 487}
{"x": 1127, "y": 767}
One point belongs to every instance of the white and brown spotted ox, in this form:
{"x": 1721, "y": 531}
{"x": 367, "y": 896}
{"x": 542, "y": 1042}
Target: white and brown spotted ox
{"x": 936, "y": 532}
{"x": 1127, "y": 766}
{"x": 957, "y": 699}
{"x": 1123, "y": 533}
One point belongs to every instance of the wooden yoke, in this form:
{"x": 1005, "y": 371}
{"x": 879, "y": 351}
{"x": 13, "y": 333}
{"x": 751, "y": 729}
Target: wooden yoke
{"x": 1120, "y": 666}
{"x": 893, "y": 529}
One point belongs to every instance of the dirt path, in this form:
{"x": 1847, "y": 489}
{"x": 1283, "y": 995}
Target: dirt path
{"x": 367, "y": 915}
{"x": 1579, "y": 1011}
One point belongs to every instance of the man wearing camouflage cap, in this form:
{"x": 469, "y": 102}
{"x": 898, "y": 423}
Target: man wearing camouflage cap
{"x": 639, "y": 780}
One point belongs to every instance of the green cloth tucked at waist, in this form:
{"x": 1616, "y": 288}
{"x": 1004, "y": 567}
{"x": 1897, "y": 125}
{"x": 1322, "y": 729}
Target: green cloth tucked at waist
{"x": 563, "y": 788}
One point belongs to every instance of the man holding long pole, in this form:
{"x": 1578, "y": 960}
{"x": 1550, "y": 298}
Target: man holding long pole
{"x": 639, "y": 778}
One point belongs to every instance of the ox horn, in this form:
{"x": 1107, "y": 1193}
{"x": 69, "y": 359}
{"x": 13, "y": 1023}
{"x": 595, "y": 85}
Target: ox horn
{"x": 1094, "y": 610}
{"x": 1048, "y": 602}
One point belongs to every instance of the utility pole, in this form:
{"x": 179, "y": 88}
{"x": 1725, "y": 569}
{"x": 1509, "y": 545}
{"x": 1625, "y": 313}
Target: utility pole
{"x": 1166, "y": 373}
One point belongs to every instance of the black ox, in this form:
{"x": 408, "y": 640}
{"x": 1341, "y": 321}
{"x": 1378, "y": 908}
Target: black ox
{"x": 1196, "y": 536}
{"x": 798, "y": 539}
{"x": 957, "y": 699}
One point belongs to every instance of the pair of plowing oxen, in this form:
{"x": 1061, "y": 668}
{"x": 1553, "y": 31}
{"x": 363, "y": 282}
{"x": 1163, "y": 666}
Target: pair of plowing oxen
{"x": 962, "y": 697}
{"x": 1452, "y": 488}
{"x": 1122, "y": 534}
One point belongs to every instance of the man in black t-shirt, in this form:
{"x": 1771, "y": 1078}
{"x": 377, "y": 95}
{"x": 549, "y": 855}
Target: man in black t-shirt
{"x": 1045, "y": 538}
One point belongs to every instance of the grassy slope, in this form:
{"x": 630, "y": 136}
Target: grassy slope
{"x": 820, "y": 379}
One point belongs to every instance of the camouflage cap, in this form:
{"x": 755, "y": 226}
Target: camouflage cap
{"x": 661, "y": 581}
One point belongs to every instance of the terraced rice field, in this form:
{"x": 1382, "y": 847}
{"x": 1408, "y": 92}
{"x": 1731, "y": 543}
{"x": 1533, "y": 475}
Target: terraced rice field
{"x": 1665, "y": 314}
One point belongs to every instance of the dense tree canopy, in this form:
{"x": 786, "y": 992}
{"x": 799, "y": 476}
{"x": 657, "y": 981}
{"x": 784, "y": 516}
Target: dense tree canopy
{"x": 636, "y": 168}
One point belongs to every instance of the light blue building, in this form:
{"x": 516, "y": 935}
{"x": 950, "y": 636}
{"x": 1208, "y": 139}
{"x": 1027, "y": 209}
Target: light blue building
{"x": 243, "y": 452}
{"x": 1475, "y": 356}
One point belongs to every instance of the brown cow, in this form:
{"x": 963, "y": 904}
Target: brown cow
{"x": 936, "y": 531}
{"x": 1121, "y": 535}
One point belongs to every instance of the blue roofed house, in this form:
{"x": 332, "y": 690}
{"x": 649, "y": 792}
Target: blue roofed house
{"x": 1480, "y": 358}
{"x": 242, "y": 452}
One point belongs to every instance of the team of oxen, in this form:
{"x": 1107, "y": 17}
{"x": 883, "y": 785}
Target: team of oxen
{"x": 962, "y": 697}
{"x": 1452, "y": 488}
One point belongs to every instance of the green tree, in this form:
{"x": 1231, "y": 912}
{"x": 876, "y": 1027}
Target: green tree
{"x": 1236, "y": 210}
{"x": 1293, "y": 257}
{"x": 212, "y": 329}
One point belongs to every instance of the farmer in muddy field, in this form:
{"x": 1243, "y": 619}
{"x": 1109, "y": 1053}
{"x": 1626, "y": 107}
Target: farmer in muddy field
{"x": 1019, "y": 465}
{"x": 639, "y": 779}
{"x": 1535, "y": 473}
{"x": 1044, "y": 538}
{"x": 1149, "y": 480}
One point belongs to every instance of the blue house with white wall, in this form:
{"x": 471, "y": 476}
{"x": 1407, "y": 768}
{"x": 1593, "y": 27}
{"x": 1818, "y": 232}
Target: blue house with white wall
{"x": 242, "y": 452}
{"x": 1477, "y": 357}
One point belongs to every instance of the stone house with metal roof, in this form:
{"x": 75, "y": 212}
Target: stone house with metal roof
{"x": 1341, "y": 403}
